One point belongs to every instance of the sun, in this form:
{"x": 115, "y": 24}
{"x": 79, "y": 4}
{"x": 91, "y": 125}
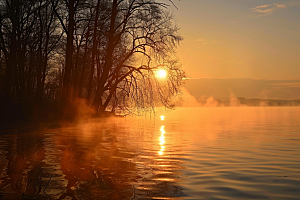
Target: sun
{"x": 161, "y": 73}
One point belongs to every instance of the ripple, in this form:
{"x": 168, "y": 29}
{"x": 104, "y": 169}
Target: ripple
{"x": 207, "y": 154}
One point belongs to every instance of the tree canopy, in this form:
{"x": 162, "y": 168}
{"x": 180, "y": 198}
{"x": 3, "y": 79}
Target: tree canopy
{"x": 105, "y": 54}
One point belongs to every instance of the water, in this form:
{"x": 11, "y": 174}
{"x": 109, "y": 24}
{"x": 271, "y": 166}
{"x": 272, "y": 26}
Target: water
{"x": 189, "y": 153}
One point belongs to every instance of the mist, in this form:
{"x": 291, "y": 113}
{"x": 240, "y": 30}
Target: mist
{"x": 188, "y": 100}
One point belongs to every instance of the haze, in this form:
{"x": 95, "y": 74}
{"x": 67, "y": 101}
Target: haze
{"x": 241, "y": 39}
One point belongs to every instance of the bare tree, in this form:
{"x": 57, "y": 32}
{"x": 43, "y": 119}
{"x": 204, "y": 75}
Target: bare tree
{"x": 106, "y": 52}
{"x": 28, "y": 37}
{"x": 138, "y": 29}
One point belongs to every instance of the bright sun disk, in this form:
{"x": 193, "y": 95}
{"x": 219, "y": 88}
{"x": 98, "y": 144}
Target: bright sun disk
{"x": 161, "y": 73}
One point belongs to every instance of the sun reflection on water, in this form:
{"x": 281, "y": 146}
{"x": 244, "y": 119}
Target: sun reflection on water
{"x": 162, "y": 140}
{"x": 135, "y": 158}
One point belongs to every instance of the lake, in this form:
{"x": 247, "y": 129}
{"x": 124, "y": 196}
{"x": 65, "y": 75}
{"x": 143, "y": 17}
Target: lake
{"x": 188, "y": 153}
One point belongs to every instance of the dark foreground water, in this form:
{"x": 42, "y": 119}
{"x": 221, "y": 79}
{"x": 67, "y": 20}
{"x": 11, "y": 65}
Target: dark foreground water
{"x": 189, "y": 153}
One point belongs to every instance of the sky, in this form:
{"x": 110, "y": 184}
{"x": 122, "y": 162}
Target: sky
{"x": 240, "y": 39}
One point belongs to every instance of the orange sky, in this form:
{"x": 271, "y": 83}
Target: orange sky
{"x": 240, "y": 38}
{"x": 242, "y": 87}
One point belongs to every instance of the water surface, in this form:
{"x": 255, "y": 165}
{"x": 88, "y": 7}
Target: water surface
{"x": 189, "y": 153}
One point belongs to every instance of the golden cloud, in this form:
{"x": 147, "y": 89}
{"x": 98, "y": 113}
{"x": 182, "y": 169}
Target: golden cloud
{"x": 261, "y": 6}
{"x": 280, "y": 6}
{"x": 268, "y": 9}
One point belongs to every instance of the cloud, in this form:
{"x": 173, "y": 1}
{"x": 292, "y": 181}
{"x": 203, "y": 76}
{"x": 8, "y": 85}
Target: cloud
{"x": 261, "y": 6}
{"x": 269, "y": 9}
{"x": 281, "y": 6}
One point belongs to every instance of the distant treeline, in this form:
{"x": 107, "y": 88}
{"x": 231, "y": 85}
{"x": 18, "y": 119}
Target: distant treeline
{"x": 252, "y": 102}
{"x": 57, "y": 56}
{"x": 268, "y": 102}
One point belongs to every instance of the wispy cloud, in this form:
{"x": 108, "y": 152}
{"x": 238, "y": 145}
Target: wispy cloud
{"x": 262, "y": 6}
{"x": 200, "y": 40}
{"x": 268, "y": 9}
{"x": 281, "y": 5}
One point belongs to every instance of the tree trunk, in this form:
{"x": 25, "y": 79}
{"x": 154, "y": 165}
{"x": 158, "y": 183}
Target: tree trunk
{"x": 39, "y": 89}
{"x": 10, "y": 73}
{"x": 66, "y": 91}
{"x": 94, "y": 51}
{"x": 83, "y": 64}
{"x": 97, "y": 104}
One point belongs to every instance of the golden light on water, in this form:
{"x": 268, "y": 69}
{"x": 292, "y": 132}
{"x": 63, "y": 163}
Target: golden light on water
{"x": 161, "y": 73}
{"x": 162, "y": 140}
{"x": 162, "y": 118}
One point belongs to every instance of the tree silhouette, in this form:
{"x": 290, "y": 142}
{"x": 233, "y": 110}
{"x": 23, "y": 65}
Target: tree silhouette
{"x": 106, "y": 53}
{"x": 137, "y": 29}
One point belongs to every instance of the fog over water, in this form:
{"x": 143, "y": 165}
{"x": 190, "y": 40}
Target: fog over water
{"x": 188, "y": 100}
{"x": 243, "y": 87}
{"x": 188, "y": 153}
